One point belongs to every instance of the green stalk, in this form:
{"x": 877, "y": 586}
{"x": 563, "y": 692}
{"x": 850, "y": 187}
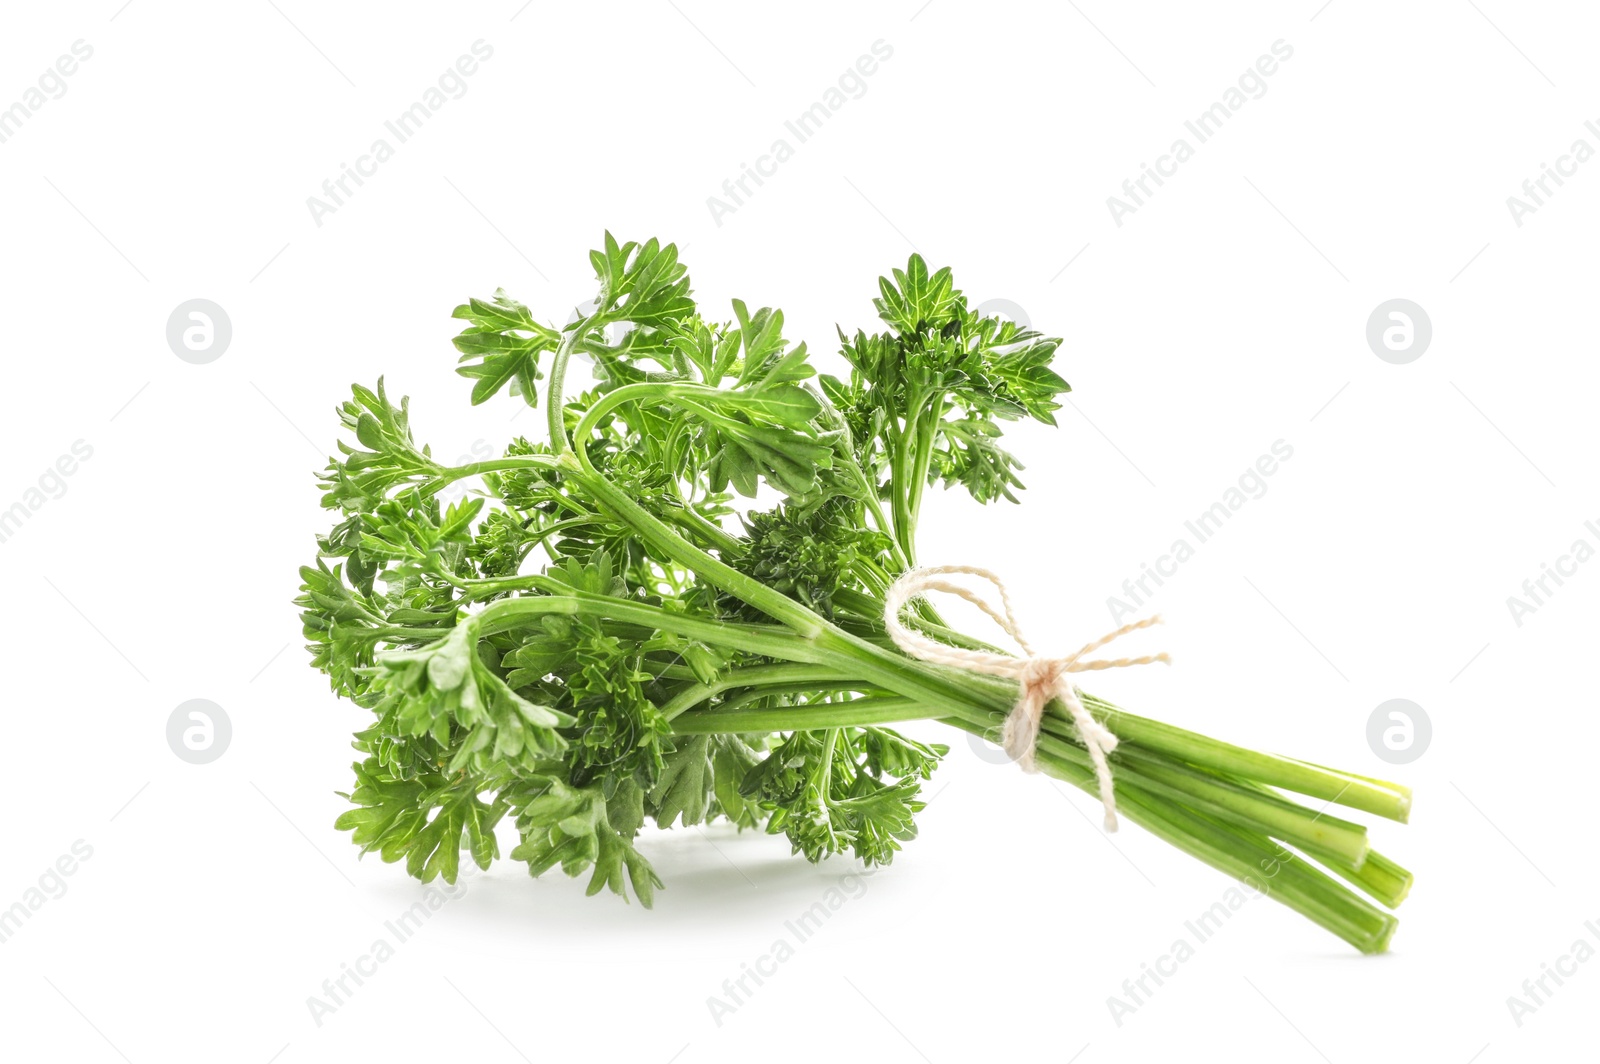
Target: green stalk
{"x": 870, "y": 611}
{"x": 555, "y": 392}
{"x": 859, "y": 712}
{"x": 751, "y": 695}
{"x": 1251, "y": 859}
{"x": 445, "y": 477}
{"x": 766, "y": 641}
{"x": 1372, "y": 796}
{"x": 718, "y": 537}
{"x": 1380, "y": 797}
{"x": 750, "y": 676}
{"x": 1274, "y": 817}
{"x": 927, "y": 424}
{"x": 845, "y": 454}
{"x": 773, "y": 603}
{"x": 1378, "y": 876}
{"x": 1391, "y": 800}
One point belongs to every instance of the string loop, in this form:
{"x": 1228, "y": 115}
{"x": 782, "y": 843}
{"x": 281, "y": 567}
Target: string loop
{"x": 1039, "y": 678}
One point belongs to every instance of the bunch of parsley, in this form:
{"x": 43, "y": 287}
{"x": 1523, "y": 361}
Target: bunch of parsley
{"x": 592, "y": 637}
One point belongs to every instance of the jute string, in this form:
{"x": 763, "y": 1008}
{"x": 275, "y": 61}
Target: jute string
{"x": 1039, "y": 678}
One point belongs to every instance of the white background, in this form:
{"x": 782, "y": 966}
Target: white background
{"x": 1227, "y": 313}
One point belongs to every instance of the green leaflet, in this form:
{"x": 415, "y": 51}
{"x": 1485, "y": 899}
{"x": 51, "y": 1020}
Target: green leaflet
{"x": 844, "y": 790}
{"x": 425, "y": 822}
{"x": 451, "y": 694}
{"x": 917, "y": 300}
{"x": 683, "y": 792}
{"x": 571, "y": 827}
{"x": 925, "y": 399}
{"x": 387, "y": 455}
{"x": 506, "y": 343}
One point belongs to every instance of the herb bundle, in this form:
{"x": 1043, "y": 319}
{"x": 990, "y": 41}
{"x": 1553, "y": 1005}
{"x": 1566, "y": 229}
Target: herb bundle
{"x": 592, "y": 637}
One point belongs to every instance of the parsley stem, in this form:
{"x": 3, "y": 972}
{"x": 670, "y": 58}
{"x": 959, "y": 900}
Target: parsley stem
{"x": 555, "y": 392}
{"x": 1372, "y": 796}
{"x": 510, "y": 613}
{"x": 858, "y": 712}
{"x": 927, "y": 423}
{"x": 449, "y": 475}
{"x": 1379, "y": 797}
{"x": 1378, "y": 876}
{"x": 748, "y": 676}
{"x": 1249, "y": 857}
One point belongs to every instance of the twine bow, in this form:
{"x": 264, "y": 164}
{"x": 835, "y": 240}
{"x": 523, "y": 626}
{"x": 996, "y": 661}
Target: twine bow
{"x": 1039, "y": 678}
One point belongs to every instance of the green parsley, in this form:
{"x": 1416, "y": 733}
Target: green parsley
{"x": 593, "y": 637}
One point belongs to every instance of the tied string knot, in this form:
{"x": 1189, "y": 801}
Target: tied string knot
{"x": 1039, "y": 678}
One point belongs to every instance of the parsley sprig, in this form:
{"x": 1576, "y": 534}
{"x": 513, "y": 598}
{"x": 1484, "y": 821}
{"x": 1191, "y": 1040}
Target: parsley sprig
{"x": 594, "y": 638}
